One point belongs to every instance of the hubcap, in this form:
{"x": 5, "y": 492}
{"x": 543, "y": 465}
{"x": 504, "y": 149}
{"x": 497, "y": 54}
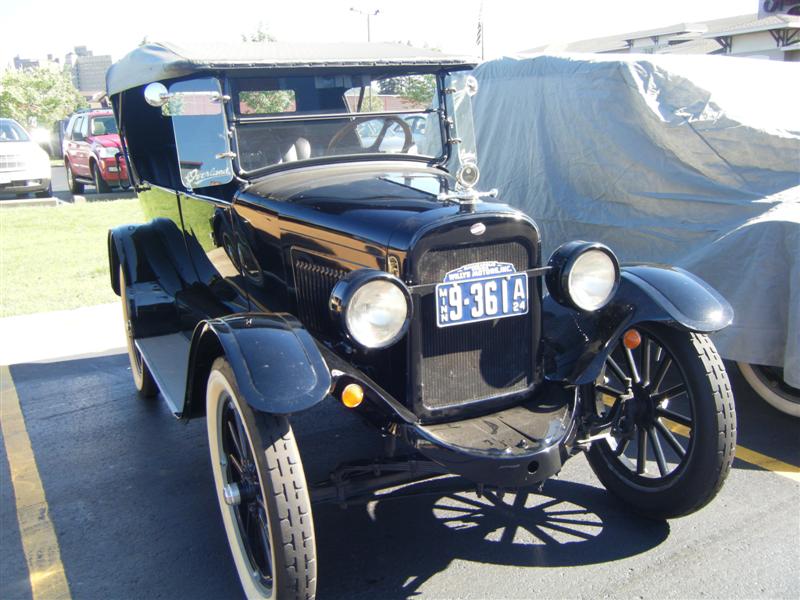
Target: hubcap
{"x": 656, "y": 424}
{"x": 241, "y": 491}
{"x": 231, "y": 494}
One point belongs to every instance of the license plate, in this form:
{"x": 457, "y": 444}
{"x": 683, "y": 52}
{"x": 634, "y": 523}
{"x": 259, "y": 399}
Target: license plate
{"x": 481, "y": 292}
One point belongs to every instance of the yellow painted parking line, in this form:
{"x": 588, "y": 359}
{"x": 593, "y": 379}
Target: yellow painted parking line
{"x": 744, "y": 454}
{"x": 39, "y": 542}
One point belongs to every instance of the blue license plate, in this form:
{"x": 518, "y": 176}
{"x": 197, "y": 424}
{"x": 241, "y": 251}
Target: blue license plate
{"x": 481, "y": 292}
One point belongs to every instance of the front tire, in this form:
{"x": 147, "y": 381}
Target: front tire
{"x": 45, "y": 193}
{"x": 262, "y": 493}
{"x": 682, "y": 414}
{"x": 100, "y": 185}
{"x": 142, "y": 377}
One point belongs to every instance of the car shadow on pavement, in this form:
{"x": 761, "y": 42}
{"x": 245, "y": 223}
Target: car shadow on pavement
{"x": 130, "y": 492}
{"x": 390, "y": 548}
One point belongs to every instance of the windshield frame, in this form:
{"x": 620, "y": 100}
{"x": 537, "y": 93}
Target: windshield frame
{"x": 25, "y": 137}
{"x": 237, "y": 120}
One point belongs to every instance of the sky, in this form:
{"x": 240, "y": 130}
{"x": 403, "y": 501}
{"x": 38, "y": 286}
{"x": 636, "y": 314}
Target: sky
{"x": 33, "y": 29}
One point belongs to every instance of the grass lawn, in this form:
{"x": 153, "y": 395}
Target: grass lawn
{"x": 56, "y": 258}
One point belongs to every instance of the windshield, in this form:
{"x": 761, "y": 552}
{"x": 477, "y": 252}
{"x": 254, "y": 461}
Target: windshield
{"x": 103, "y": 125}
{"x": 286, "y": 119}
{"x": 10, "y": 131}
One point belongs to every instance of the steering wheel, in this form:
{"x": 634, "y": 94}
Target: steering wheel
{"x": 375, "y": 146}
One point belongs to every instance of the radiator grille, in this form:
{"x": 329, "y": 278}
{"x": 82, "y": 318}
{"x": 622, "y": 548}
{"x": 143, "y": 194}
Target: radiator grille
{"x": 472, "y": 362}
{"x": 314, "y": 283}
{"x": 11, "y": 162}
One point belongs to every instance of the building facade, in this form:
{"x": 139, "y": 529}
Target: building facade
{"x": 772, "y": 33}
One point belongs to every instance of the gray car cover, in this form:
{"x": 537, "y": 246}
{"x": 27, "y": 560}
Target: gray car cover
{"x": 686, "y": 160}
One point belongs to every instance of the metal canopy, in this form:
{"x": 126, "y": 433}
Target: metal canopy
{"x": 159, "y": 61}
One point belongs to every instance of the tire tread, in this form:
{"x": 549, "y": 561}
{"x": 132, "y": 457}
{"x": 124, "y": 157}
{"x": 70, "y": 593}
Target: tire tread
{"x": 287, "y": 481}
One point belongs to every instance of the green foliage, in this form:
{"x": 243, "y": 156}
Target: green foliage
{"x": 418, "y": 89}
{"x": 40, "y": 94}
{"x": 371, "y": 103}
{"x": 265, "y": 102}
{"x": 259, "y": 35}
{"x": 415, "y": 89}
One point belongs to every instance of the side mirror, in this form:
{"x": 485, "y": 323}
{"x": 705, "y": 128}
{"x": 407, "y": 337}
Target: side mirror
{"x": 77, "y": 136}
{"x": 156, "y": 94}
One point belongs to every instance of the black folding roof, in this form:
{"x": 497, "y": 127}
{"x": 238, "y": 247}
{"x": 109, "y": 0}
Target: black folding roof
{"x": 158, "y": 61}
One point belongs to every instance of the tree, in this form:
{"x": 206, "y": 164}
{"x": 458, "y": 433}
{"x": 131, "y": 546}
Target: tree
{"x": 418, "y": 89}
{"x": 41, "y": 94}
{"x": 267, "y": 101}
{"x": 259, "y": 35}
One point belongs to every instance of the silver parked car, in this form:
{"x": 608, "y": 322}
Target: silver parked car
{"x": 24, "y": 166}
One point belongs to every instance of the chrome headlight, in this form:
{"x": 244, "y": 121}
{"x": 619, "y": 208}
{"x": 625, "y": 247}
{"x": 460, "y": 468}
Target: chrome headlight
{"x": 583, "y": 275}
{"x": 372, "y": 307}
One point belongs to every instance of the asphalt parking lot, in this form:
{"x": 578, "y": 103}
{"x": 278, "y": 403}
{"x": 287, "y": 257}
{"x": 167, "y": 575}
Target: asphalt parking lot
{"x": 128, "y": 493}
{"x": 61, "y": 190}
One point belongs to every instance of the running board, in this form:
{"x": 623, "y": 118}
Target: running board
{"x": 167, "y": 357}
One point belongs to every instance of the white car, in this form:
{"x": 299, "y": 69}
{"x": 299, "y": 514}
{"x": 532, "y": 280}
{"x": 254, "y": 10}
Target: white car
{"x": 24, "y": 166}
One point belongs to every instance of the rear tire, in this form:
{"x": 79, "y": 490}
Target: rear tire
{"x": 683, "y": 390}
{"x": 768, "y": 383}
{"x": 267, "y": 518}
{"x": 75, "y": 187}
{"x": 142, "y": 377}
{"x": 101, "y": 187}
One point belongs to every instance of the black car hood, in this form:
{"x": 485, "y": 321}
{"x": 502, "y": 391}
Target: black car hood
{"x": 383, "y": 202}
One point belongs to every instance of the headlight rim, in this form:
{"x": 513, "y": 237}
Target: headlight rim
{"x": 346, "y": 288}
{"x": 561, "y": 264}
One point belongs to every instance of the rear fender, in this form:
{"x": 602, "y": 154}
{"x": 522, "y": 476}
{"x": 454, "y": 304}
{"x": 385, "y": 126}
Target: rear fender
{"x": 576, "y": 344}
{"x": 277, "y": 364}
{"x": 156, "y": 265}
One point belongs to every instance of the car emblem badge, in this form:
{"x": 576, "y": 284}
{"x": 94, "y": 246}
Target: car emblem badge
{"x": 478, "y": 229}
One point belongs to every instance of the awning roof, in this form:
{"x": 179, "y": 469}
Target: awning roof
{"x": 159, "y": 61}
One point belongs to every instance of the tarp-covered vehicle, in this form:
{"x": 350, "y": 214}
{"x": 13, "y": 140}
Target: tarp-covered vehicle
{"x": 689, "y": 160}
{"x": 290, "y": 263}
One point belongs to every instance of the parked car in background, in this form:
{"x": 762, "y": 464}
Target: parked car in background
{"x": 24, "y": 166}
{"x": 92, "y": 152}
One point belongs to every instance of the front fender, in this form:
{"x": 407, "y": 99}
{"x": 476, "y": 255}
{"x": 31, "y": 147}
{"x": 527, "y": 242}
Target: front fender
{"x": 576, "y": 344}
{"x": 277, "y": 365}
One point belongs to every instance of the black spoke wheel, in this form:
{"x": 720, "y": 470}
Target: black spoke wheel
{"x": 262, "y": 493}
{"x": 674, "y": 442}
{"x": 142, "y": 377}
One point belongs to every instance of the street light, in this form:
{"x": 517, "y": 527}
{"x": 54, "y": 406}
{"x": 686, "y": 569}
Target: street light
{"x": 368, "y": 14}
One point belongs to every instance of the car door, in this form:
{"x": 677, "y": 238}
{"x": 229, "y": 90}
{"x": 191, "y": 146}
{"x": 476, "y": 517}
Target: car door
{"x": 206, "y": 173}
{"x": 80, "y": 148}
{"x": 71, "y": 146}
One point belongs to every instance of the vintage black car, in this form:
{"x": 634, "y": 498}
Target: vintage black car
{"x": 297, "y": 258}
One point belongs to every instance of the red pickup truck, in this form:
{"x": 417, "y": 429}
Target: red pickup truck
{"x": 93, "y": 152}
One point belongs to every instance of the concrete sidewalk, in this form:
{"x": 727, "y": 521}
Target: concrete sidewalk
{"x": 44, "y": 337}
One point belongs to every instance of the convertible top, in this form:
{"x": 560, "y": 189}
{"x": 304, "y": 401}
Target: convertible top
{"x": 159, "y": 61}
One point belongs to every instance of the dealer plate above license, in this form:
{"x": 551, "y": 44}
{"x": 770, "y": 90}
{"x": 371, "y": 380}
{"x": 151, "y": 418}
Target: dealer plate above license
{"x": 481, "y": 292}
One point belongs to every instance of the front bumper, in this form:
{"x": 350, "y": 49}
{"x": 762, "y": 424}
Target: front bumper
{"x": 113, "y": 171}
{"x": 514, "y": 448}
{"x": 23, "y": 182}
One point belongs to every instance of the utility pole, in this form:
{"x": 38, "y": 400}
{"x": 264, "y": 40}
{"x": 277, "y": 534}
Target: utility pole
{"x": 368, "y": 14}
